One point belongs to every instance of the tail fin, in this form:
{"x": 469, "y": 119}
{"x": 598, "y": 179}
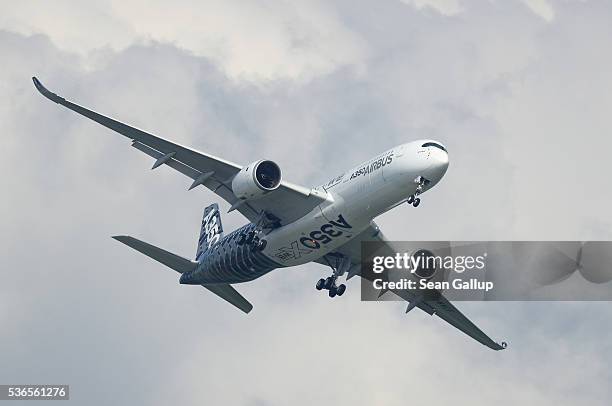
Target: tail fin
{"x": 211, "y": 231}
{"x": 224, "y": 290}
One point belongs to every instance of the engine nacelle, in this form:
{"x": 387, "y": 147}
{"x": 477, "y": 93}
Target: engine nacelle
{"x": 426, "y": 267}
{"x": 256, "y": 179}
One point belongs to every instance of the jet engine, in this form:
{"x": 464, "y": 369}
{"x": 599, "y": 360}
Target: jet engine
{"x": 256, "y": 179}
{"x": 425, "y": 264}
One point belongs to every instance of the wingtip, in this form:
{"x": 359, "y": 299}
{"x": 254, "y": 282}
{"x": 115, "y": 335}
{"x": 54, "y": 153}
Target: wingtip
{"x": 46, "y": 92}
{"x": 39, "y": 86}
{"x": 120, "y": 238}
{"x": 500, "y": 346}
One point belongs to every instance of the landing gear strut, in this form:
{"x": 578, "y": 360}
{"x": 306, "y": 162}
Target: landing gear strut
{"x": 339, "y": 264}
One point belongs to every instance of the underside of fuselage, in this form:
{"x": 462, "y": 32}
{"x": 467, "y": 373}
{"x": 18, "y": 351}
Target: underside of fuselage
{"x": 231, "y": 261}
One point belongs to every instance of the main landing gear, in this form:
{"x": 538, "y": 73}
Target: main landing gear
{"x": 339, "y": 264}
{"x": 255, "y": 236}
{"x": 421, "y": 183}
{"x": 329, "y": 284}
{"x": 253, "y": 240}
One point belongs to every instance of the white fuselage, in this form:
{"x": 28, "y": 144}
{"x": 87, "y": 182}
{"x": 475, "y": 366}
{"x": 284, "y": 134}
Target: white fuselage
{"x": 355, "y": 198}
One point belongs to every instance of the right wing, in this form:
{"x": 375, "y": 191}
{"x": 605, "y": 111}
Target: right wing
{"x": 287, "y": 203}
{"x": 432, "y": 302}
{"x": 436, "y": 303}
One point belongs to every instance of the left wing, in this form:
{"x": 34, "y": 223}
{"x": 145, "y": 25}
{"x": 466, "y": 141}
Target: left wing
{"x": 432, "y": 302}
{"x": 287, "y": 203}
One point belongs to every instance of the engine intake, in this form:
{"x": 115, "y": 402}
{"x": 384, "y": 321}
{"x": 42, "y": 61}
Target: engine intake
{"x": 257, "y": 179}
{"x": 426, "y": 267}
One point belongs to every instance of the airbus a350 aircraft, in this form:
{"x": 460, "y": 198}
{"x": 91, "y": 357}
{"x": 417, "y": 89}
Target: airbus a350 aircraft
{"x": 289, "y": 224}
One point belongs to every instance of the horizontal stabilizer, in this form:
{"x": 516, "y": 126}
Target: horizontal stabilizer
{"x": 176, "y": 262}
{"x": 182, "y": 265}
{"x": 231, "y": 295}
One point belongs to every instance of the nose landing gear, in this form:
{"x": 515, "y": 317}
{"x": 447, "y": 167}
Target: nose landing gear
{"x": 421, "y": 183}
{"x": 339, "y": 264}
{"x": 413, "y": 200}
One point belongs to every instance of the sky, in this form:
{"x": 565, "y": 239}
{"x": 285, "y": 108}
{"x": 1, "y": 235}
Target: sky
{"x": 519, "y": 92}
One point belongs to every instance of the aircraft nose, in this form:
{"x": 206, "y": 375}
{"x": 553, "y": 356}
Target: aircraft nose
{"x": 438, "y": 164}
{"x": 439, "y": 159}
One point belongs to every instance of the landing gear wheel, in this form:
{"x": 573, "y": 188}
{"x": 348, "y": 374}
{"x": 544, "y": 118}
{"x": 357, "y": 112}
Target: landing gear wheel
{"x": 416, "y": 202}
{"x": 410, "y": 199}
{"x": 249, "y": 237}
{"x": 241, "y": 239}
{"x": 339, "y": 267}
{"x": 261, "y": 245}
{"x": 254, "y": 243}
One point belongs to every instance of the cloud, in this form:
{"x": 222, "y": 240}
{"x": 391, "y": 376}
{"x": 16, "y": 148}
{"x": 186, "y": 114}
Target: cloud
{"x": 253, "y": 40}
{"x": 446, "y": 7}
{"x": 523, "y": 112}
{"x": 542, "y": 8}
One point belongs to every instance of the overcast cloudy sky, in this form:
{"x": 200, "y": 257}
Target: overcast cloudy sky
{"x": 520, "y": 91}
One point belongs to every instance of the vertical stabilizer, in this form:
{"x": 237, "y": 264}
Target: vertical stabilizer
{"x": 211, "y": 231}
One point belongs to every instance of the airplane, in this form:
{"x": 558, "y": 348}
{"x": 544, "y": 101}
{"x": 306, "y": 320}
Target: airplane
{"x": 290, "y": 225}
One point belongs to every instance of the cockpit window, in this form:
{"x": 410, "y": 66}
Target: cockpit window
{"x": 434, "y": 144}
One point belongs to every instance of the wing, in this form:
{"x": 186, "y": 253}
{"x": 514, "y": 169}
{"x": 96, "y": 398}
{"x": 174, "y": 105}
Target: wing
{"x": 437, "y": 304}
{"x": 433, "y": 302}
{"x": 287, "y": 203}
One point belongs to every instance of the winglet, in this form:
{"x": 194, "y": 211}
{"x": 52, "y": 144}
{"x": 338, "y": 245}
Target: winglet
{"x": 45, "y": 92}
